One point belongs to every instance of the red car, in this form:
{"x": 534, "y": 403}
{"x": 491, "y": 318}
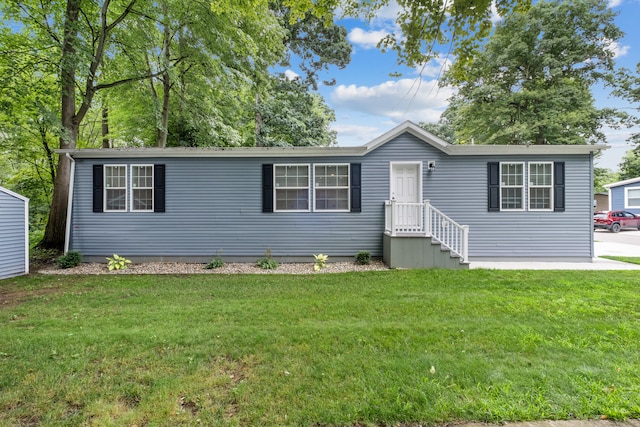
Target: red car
{"x": 615, "y": 221}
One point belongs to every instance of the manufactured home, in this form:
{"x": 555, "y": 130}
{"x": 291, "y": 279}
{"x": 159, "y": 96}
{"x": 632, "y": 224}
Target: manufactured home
{"x": 624, "y": 196}
{"x": 407, "y": 197}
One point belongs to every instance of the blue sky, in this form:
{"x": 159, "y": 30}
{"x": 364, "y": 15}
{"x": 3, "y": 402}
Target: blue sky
{"x": 368, "y": 102}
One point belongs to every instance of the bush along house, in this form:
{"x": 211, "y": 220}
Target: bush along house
{"x": 407, "y": 197}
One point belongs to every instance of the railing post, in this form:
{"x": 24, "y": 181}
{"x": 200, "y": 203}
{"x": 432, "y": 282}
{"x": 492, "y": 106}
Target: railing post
{"x": 465, "y": 243}
{"x": 392, "y": 216}
{"x": 427, "y": 217}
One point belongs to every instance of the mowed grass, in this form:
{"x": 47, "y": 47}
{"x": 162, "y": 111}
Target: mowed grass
{"x": 629, "y": 259}
{"x": 376, "y": 348}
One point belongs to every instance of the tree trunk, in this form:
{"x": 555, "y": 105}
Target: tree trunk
{"x": 54, "y": 234}
{"x": 163, "y": 129}
{"x": 106, "y": 142}
{"x": 258, "y": 122}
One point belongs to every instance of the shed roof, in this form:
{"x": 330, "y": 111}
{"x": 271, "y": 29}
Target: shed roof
{"x": 406, "y": 127}
{"x": 12, "y": 194}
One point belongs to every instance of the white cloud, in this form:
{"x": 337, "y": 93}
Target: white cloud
{"x": 406, "y": 99}
{"x": 366, "y": 39}
{"x": 434, "y": 68}
{"x": 353, "y": 135}
{"x": 291, "y": 75}
{"x": 614, "y": 3}
{"x": 618, "y": 50}
{"x": 495, "y": 16}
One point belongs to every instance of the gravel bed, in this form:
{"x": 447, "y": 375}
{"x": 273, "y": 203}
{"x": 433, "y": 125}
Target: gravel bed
{"x": 228, "y": 268}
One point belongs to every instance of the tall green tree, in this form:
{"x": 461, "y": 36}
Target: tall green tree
{"x": 293, "y": 116}
{"x": 630, "y": 166}
{"x": 530, "y": 84}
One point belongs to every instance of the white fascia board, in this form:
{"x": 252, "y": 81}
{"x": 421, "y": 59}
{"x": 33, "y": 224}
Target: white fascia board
{"x": 620, "y": 183}
{"x": 237, "y": 152}
{"x": 519, "y": 150}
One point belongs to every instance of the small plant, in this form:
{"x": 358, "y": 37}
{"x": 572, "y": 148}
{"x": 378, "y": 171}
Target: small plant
{"x": 69, "y": 260}
{"x": 267, "y": 263}
{"x": 321, "y": 262}
{"x": 363, "y": 258}
{"x": 117, "y": 262}
{"x": 216, "y": 262}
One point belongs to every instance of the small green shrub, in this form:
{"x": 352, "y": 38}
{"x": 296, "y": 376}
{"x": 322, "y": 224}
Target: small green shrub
{"x": 69, "y": 260}
{"x": 363, "y": 258}
{"x": 216, "y": 262}
{"x": 321, "y": 262}
{"x": 267, "y": 263}
{"x": 117, "y": 262}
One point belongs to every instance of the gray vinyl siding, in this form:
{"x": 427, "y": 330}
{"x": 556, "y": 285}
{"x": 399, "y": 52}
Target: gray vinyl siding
{"x": 13, "y": 252}
{"x": 214, "y": 205}
{"x": 618, "y": 195}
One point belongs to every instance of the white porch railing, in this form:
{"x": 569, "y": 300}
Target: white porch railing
{"x": 422, "y": 219}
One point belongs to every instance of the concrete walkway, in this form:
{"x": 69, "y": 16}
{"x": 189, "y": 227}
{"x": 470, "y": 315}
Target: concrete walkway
{"x": 600, "y": 248}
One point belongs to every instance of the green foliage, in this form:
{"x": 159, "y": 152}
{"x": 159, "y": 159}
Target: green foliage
{"x": 320, "y": 262}
{"x": 630, "y": 166}
{"x": 530, "y": 83}
{"x": 348, "y": 349}
{"x": 267, "y": 263}
{"x": 117, "y": 262}
{"x": 601, "y": 177}
{"x": 216, "y": 262}
{"x": 363, "y": 258}
{"x": 290, "y": 115}
{"x": 442, "y": 129}
{"x": 69, "y": 260}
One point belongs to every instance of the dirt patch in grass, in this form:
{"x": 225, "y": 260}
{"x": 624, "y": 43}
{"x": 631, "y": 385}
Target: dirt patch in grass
{"x": 12, "y": 297}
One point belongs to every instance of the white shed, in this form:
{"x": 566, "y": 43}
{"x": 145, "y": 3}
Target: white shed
{"x": 14, "y": 234}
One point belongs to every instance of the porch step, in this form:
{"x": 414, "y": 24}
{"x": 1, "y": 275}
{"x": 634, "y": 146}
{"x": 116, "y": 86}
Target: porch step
{"x": 418, "y": 252}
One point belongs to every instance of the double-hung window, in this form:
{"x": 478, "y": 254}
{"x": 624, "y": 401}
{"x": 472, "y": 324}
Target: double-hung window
{"x": 291, "y": 187}
{"x": 632, "y": 198}
{"x": 512, "y": 186}
{"x": 331, "y": 187}
{"x": 142, "y": 188}
{"x": 541, "y": 186}
{"x": 115, "y": 188}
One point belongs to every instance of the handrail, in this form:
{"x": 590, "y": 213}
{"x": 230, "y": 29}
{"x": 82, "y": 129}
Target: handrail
{"x": 423, "y": 219}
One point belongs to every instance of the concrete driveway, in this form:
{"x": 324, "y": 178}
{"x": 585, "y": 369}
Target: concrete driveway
{"x": 624, "y": 243}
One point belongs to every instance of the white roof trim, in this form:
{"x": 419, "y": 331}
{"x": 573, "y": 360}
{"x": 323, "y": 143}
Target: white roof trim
{"x": 620, "y": 183}
{"x": 16, "y": 195}
{"x": 406, "y": 127}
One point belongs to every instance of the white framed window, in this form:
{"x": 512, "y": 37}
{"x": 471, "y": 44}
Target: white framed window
{"x": 141, "y": 188}
{"x": 115, "y": 188}
{"x": 331, "y": 187}
{"x": 541, "y": 186}
{"x": 632, "y": 198}
{"x": 511, "y": 186}
{"x": 291, "y": 188}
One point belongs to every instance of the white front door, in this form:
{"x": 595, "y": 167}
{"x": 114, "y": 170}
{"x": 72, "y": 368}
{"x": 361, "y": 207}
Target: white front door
{"x": 406, "y": 182}
{"x": 406, "y": 192}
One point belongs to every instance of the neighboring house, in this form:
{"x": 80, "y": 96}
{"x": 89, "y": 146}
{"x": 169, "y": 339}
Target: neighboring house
{"x": 624, "y": 195}
{"x": 601, "y": 202}
{"x": 14, "y": 234}
{"x": 531, "y": 202}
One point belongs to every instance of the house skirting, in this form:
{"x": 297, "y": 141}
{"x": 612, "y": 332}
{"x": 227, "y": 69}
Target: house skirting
{"x": 417, "y": 252}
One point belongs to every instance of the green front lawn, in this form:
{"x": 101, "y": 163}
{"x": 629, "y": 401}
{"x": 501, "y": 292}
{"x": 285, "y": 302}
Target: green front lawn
{"x": 390, "y": 347}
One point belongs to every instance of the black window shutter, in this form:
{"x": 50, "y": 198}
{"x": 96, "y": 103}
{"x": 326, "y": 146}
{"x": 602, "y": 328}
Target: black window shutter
{"x": 493, "y": 189}
{"x": 558, "y": 187}
{"x": 158, "y": 188}
{"x": 98, "y": 187}
{"x": 267, "y": 188}
{"x": 356, "y": 187}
